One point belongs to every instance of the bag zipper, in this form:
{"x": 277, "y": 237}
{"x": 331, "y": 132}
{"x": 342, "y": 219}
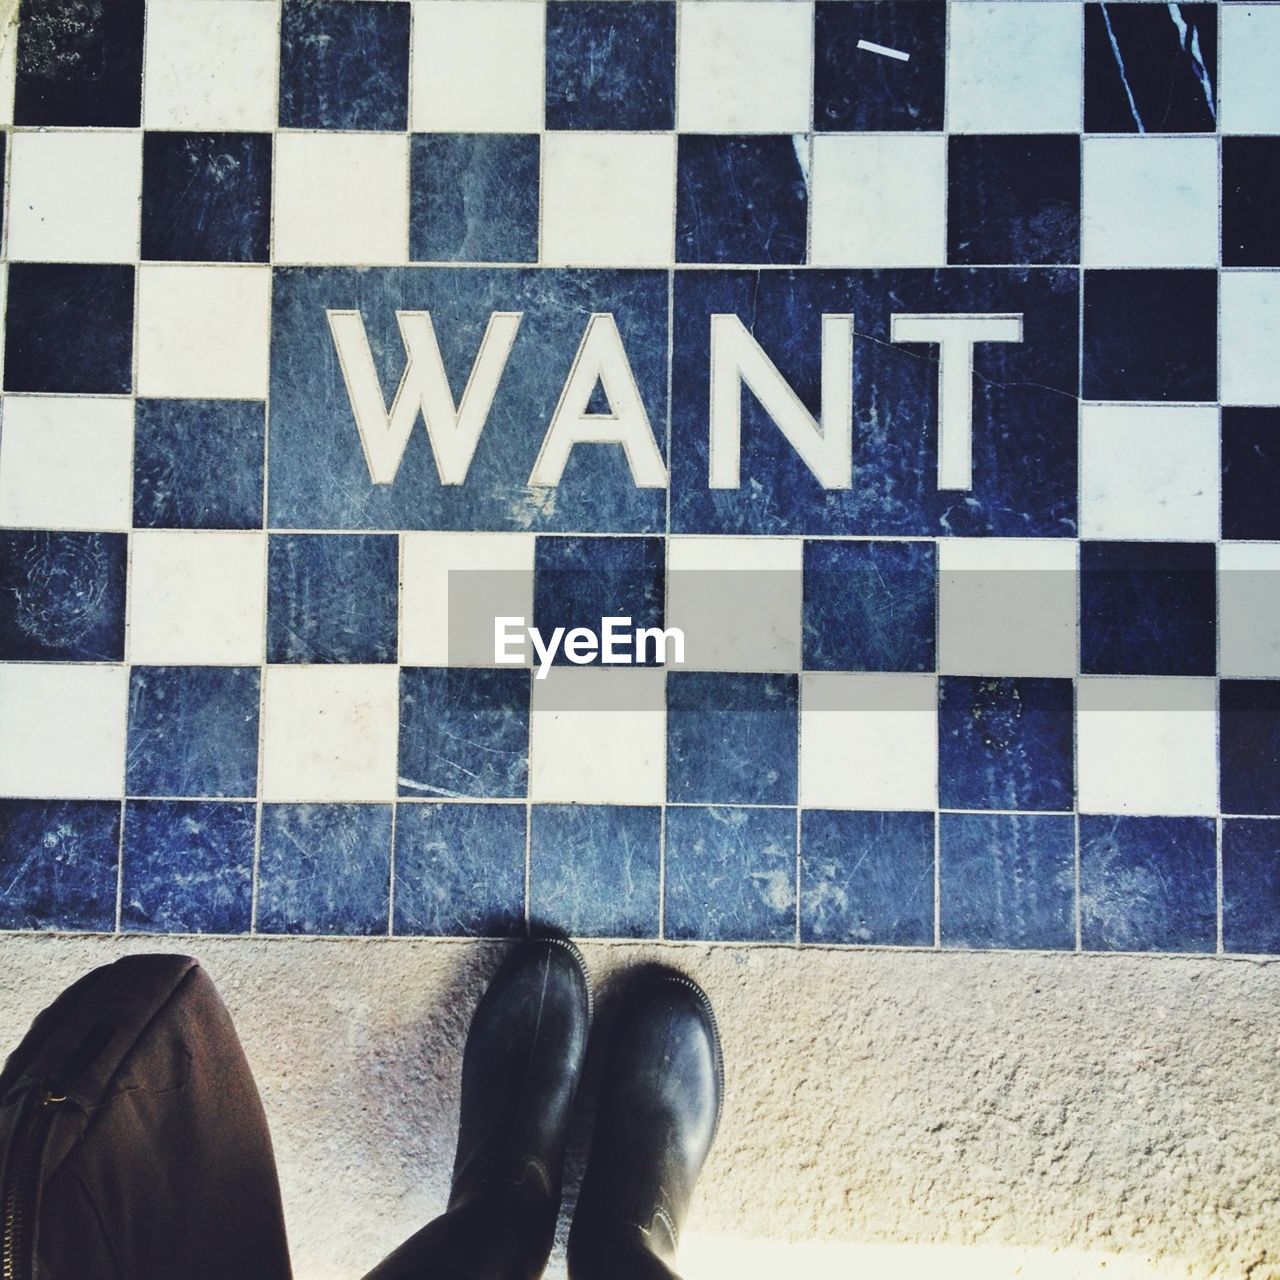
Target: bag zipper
{"x": 21, "y": 1183}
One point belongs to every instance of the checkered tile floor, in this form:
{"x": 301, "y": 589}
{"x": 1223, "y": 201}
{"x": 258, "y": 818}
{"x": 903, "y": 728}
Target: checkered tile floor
{"x": 1041, "y": 712}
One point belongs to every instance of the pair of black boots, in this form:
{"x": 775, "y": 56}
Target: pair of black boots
{"x": 659, "y": 1106}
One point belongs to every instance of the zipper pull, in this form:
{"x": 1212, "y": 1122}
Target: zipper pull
{"x": 50, "y": 1097}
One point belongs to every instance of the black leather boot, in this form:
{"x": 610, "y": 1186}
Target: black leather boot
{"x": 520, "y": 1072}
{"x": 660, "y": 1104}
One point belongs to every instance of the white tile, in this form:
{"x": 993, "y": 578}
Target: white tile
{"x": 1250, "y": 337}
{"x": 1249, "y": 89}
{"x": 1149, "y": 202}
{"x": 1149, "y": 472}
{"x": 477, "y": 66}
{"x": 204, "y": 331}
{"x": 868, "y": 741}
{"x": 75, "y": 197}
{"x": 1007, "y": 606}
{"x": 879, "y": 200}
{"x": 739, "y": 602}
{"x": 341, "y": 198}
{"x": 8, "y": 73}
{"x": 330, "y": 732}
{"x": 608, "y": 199}
{"x": 62, "y": 730}
{"x": 453, "y": 586}
{"x": 211, "y": 64}
{"x": 1014, "y": 68}
{"x": 598, "y": 736}
{"x": 66, "y": 462}
{"x": 1249, "y": 610}
{"x": 745, "y": 66}
{"x": 1147, "y": 745}
{"x": 197, "y": 596}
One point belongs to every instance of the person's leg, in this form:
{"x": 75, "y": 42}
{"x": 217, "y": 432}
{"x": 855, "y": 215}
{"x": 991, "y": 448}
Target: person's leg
{"x": 520, "y": 1071}
{"x": 659, "y": 1107}
{"x": 158, "y": 1161}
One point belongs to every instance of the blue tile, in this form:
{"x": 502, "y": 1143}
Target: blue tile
{"x": 1250, "y": 198}
{"x": 1148, "y": 884}
{"x": 206, "y": 197}
{"x": 731, "y": 738}
{"x": 1250, "y": 746}
{"x": 319, "y": 477}
{"x": 197, "y": 464}
{"x": 1013, "y": 198}
{"x": 62, "y": 596}
{"x": 464, "y": 732}
{"x": 858, "y": 89}
{"x": 594, "y": 870}
{"x": 1024, "y": 408}
{"x": 187, "y": 866}
{"x": 460, "y": 870}
{"x": 1007, "y": 880}
{"x": 731, "y": 874}
{"x": 1251, "y": 474}
{"x": 1148, "y": 608}
{"x": 611, "y": 64}
{"x": 79, "y": 63}
{"x": 579, "y": 581}
{"x": 69, "y": 328}
{"x": 473, "y": 197}
{"x": 870, "y": 606}
{"x": 1150, "y": 335}
{"x": 1005, "y": 743}
{"x": 344, "y": 64}
{"x": 866, "y": 878}
{"x": 58, "y": 861}
{"x": 1251, "y": 885}
{"x": 332, "y": 597}
{"x": 324, "y": 868}
{"x": 193, "y": 731}
{"x": 741, "y": 199}
{"x": 1150, "y": 68}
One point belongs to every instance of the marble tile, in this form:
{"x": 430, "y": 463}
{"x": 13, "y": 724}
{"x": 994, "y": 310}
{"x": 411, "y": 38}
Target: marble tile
{"x": 867, "y": 878}
{"x": 1251, "y": 473}
{"x": 1249, "y": 609}
{"x": 474, "y": 197}
{"x": 58, "y": 863}
{"x": 464, "y": 733}
{"x": 206, "y": 197}
{"x": 1251, "y": 885}
{"x": 1250, "y": 40}
{"x": 459, "y": 870}
{"x": 1007, "y": 880}
{"x": 1150, "y": 68}
{"x": 198, "y": 464}
{"x": 1148, "y": 608}
{"x": 863, "y": 89}
{"x": 324, "y": 868}
{"x": 1013, "y": 198}
{"x": 332, "y": 597}
{"x": 193, "y": 731}
{"x": 344, "y": 65}
{"x": 731, "y": 738}
{"x": 870, "y": 606}
{"x": 1250, "y": 746}
{"x": 611, "y": 64}
{"x": 62, "y": 596}
{"x": 594, "y": 869}
{"x": 1150, "y": 335}
{"x": 187, "y": 866}
{"x": 1148, "y": 884}
{"x": 1005, "y": 744}
{"x": 730, "y": 874}
{"x": 1250, "y": 330}
{"x": 742, "y": 199}
{"x": 69, "y": 328}
{"x": 80, "y": 63}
